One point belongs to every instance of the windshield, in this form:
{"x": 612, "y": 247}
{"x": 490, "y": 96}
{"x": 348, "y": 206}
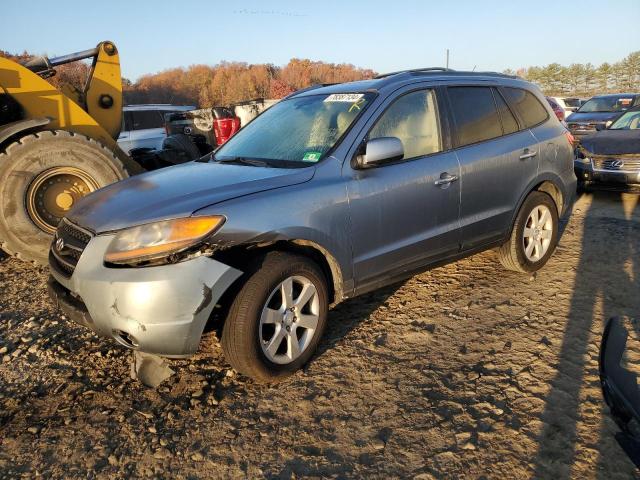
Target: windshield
{"x": 607, "y": 104}
{"x": 628, "y": 121}
{"x": 295, "y": 132}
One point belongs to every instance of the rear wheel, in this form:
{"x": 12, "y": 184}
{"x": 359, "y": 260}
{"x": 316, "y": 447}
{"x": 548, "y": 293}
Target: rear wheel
{"x": 43, "y": 177}
{"x": 277, "y": 319}
{"x": 534, "y": 235}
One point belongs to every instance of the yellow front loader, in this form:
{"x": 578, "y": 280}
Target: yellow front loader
{"x": 56, "y": 145}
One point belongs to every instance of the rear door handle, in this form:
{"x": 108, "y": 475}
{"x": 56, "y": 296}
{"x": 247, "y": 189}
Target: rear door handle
{"x": 528, "y": 154}
{"x": 446, "y": 179}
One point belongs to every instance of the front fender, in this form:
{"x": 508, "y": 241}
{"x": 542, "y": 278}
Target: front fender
{"x": 13, "y": 129}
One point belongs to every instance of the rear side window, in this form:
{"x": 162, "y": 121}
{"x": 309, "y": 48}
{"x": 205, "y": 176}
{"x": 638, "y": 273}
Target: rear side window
{"x": 413, "y": 119}
{"x": 509, "y": 123}
{"x": 475, "y": 114}
{"x": 147, "y": 119}
{"x": 531, "y": 110}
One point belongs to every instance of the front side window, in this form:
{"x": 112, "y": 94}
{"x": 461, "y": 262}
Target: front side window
{"x": 607, "y": 104}
{"x": 628, "y": 121}
{"x": 413, "y": 118}
{"x": 475, "y": 114}
{"x": 531, "y": 110}
{"x": 296, "y": 132}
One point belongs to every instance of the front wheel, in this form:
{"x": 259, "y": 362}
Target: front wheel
{"x": 278, "y": 317}
{"x": 534, "y": 235}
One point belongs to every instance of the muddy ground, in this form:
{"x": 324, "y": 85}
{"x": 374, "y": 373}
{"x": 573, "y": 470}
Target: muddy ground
{"x": 467, "y": 371}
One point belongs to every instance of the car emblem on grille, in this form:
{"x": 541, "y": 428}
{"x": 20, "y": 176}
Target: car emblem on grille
{"x": 59, "y": 244}
{"x": 617, "y": 164}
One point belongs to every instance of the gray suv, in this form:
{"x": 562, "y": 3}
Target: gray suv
{"x": 333, "y": 192}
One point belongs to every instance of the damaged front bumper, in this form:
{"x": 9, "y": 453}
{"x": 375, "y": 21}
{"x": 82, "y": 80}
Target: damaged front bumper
{"x": 611, "y": 170}
{"x": 161, "y": 310}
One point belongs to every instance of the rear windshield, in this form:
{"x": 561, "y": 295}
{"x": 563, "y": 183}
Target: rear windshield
{"x": 608, "y": 104}
{"x": 572, "y": 102}
{"x": 296, "y": 132}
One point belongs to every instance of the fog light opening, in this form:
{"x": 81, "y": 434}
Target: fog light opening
{"x": 126, "y": 339}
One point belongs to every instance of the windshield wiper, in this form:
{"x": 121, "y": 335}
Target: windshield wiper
{"x": 244, "y": 161}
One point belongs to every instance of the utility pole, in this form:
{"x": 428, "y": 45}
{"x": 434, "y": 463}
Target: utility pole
{"x": 447, "y": 58}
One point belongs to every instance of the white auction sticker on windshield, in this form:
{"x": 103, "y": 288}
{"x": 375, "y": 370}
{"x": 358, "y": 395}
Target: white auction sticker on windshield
{"x": 344, "y": 97}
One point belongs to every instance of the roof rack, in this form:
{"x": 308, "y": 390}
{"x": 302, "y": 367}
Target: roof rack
{"x": 421, "y": 71}
{"x": 415, "y": 70}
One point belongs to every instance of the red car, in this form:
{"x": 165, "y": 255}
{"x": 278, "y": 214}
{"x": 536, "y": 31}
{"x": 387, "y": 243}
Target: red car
{"x": 558, "y": 110}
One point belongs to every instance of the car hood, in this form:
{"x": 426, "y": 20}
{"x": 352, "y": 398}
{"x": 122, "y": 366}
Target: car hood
{"x": 594, "y": 117}
{"x": 176, "y": 192}
{"x": 612, "y": 142}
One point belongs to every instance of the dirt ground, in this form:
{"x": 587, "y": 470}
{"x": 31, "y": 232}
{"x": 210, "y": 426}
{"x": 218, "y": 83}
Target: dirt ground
{"x": 467, "y": 371}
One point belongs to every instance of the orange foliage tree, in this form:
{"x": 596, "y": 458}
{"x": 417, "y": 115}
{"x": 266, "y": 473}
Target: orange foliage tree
{"x": 217, "y": 85}
{"x": 230, "y": 82}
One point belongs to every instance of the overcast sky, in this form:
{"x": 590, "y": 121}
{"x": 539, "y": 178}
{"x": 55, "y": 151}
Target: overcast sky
{"x": 382, "y": 35}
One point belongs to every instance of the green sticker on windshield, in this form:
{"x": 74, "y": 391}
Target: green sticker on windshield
{"x": 311, "y": 157}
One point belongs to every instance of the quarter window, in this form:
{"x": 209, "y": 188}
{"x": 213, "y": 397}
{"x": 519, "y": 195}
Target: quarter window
{"x": 475, "y": 114}
{"x": 509, "y": 124}
{"x": 413, "y": 118}
{"x": 531, "y": 110}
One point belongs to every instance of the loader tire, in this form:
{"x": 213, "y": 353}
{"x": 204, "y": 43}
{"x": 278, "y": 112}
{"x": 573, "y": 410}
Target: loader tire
{"x": 42, "y": 176}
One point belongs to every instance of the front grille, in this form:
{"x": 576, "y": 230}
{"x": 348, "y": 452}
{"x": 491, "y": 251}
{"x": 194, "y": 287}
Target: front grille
{"x": 582, "y": 126}
{"x": 68, "y": 244}
{"x": 620, "y": 164}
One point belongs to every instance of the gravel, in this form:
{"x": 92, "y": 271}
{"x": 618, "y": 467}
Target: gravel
{"x": 464, "y": 371}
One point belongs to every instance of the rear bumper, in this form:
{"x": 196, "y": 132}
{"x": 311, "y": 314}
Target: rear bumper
{"x": 161, "y": 310}
{"x": 587, "y": 174}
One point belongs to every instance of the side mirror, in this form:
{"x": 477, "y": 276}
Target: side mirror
{"x": 600, "y": 127}
{"x": 381, "y": 150}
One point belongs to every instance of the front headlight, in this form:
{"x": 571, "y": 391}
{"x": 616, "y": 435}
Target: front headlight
{"x": 160, "y": 239}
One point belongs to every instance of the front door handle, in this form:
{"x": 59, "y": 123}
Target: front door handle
{"x": 528, "y": 154}
{"x": 445, "y": 179}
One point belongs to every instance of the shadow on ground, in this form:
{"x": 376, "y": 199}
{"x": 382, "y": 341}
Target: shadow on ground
{"x": 598, "y": 294}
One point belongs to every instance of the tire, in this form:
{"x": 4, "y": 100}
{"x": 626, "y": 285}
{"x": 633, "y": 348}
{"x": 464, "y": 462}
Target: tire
{"x": 182, "y": 144}
{"x": 582, "y": 187}
{"x": 514, "y": 254}
{"x": 245, "y": 339}
{"x": 24, "y": 167}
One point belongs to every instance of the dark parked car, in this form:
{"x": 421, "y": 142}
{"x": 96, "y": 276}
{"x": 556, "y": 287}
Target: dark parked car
{"x": 330, "y": 193}
{"x": 600, "y": 111}
{"x": 620, "y": 385}
{"x": 208, "y": 128}
{"x": 611, "y": 155}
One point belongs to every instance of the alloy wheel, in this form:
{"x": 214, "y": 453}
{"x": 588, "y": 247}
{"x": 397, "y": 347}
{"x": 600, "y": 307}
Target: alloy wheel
{"x": 537, "y": 233}
{"x": 289, "y": 319}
